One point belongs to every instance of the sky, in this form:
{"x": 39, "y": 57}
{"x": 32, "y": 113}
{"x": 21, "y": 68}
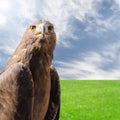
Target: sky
{"x": 88, "y": 35}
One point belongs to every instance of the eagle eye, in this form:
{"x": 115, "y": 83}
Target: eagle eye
{"x": 50, "y": 28}
{"x": 32, "y": 27}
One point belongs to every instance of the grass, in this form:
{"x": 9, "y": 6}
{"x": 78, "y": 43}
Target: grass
{"x": 90, "y": 100}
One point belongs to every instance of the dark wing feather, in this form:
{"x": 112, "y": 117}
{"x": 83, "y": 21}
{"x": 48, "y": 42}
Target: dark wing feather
{"x": 16, "y": 93}
{"x": 54, "y": 102}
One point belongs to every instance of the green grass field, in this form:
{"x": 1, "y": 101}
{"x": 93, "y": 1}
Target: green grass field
{"x": 90, "y": 100}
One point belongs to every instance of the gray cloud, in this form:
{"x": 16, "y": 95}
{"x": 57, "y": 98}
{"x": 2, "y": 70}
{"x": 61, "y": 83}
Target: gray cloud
{"x": 92, "y": 65}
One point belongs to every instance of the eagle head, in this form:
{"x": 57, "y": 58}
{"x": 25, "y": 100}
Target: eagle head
{"x": 40, "y": 35}
{"x": 38, "y": 42}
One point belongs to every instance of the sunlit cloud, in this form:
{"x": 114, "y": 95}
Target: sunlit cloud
{"x": 2, "y": 20}
{"x": 4, "y": 8}
{"x": 4, "y": 5}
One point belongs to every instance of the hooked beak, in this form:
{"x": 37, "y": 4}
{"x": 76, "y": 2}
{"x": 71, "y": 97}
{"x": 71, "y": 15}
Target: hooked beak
{"x": 41, "y": 31}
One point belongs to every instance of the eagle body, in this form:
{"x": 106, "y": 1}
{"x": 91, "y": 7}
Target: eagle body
{"x": 29, "y": 73}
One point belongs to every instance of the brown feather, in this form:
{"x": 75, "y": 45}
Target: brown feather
{"x": 11, "y": 96}
{"x": 53, "y": 111}
{"x": 35, "y": 53}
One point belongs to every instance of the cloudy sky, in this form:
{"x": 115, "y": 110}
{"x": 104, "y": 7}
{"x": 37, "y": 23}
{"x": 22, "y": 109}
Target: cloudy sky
{"x": 88, "y": 34}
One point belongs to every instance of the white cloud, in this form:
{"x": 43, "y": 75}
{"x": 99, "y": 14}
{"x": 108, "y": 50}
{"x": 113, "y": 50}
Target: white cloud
{"x": 7, "y": 49}
{"x": 91, "y": 65}
{"x": 112, "y": 50}
{"x": 117, "y": 3}
{"x": 60, "y": 13}
{"x": 4, "y": 8}
{"x": 27, "y": 9}
{"x": 103, "y": 22}
{"x": 2, "y": 20}
{"x": 84, "y": 70}
{"x": 4, "y": 5}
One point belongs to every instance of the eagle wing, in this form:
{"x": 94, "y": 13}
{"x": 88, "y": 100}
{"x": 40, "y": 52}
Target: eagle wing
{"x": 54, "y": 102}
{"x": 16, "y": 93}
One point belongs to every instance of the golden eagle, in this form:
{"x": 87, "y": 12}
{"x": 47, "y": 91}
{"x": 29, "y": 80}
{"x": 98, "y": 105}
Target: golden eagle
{"x": 29, "y": 85}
